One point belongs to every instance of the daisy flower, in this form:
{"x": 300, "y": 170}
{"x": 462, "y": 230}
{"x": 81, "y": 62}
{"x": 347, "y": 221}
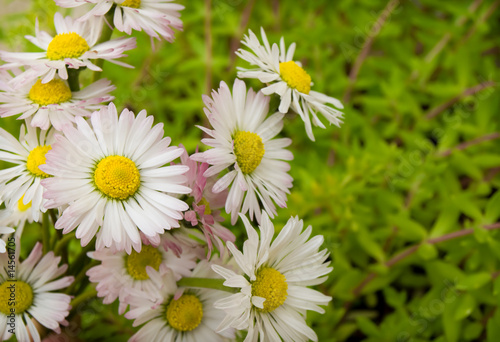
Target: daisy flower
{"x": 242, "y": 140}
{"x": 120, "y": 272}
{"x": 289, "y": 80}
{"x": 274, "y": 297}
{"x": 111, "y": 174}
{"x": 51, "y": 103}
{"x": 20, "y": 185}
{"x": 14, "y": 218}
{"x": 74, "y": 46}
{"x": 203, "y": 211}
{"x": 177, "y": 315}
{"x": 33, "y": 282}
{"x": 155, "y": 17}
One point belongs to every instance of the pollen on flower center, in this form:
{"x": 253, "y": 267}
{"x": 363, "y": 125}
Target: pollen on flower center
{"x": 249, "y": 150}
{"x": 271, "y": 285}
{"x": 117, "y": 177}
{"x": 17, "y": 292}
{"x": 136, "y": 262}
{"x": 53, "y": 92}
{"x": 21, "y": 206}
{"x": 37, "y": 158}
{"x": 67, "y": 45}
{"x": 185, "y": 313}
{"x": 295, "y": 76}
{"x": 131, "y": 3}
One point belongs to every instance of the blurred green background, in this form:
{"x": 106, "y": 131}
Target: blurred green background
{"x": 405, "y": 192}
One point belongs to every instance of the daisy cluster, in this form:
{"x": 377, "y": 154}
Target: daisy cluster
{"x": 147, "y": 214}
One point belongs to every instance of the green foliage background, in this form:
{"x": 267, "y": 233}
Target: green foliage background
{"x": 395, "y": 178}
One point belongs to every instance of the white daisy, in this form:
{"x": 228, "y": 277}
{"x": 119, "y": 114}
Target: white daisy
{"x": 177, "y": 315}
{"x": 155, "y": 17}
{"x": 275, "y": 65}
{"x": 22, "y": 181}
{"x": 112, "y": 175}
{"x": 120, "y": 273}
{"x": 51, "y": 103}
{"x": 74, "y": 47}
{"x": 242, "y": 139}
{"x": 35, "y": 279}
{"x": 274, "y": 296}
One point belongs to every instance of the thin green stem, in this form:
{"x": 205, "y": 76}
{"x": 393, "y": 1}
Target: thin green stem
{"x": 83, "y": 297}
{"x": 73, "y": 79}
{"x": 80, "y": 277}
{"x": 62, "y": 243}
{"x": 45, "y": 233}
{"x": 106, "y": 33}
{"x": 206, "y": 283}
{"x": 78, "y": 264}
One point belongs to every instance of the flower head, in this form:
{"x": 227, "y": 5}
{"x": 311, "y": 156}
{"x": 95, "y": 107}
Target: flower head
{"x": 52, "y": 103}
{"x": 20, "y": 185}
{"x": 274, "y": 294}
{"x": 174, "y": 314}
{"x": 111, "y": 174}
{"x": 120, "y": 273}
{"x": 33, "y": 285}
{"x": 74, "y": 46}
{"x": 287, "y": 78}
{"x": 242, "y": 140}
{"x": 155, "y": 17}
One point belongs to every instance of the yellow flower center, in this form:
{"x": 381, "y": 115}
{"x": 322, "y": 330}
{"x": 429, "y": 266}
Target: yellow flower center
{"x": 295, "y": 76}
{"x": 67, "y": 45}
{"x": 249, "y": 150}
{"x": 21, "y": 206}
{"x": 137, "y": 262}
{"x": 271, "y": 285}
{"x": 17, "y": 295}
{"x": 53, "y": 92}
{"x": 117, "y": 177}
{"x": 37, "y": 158}
{"x": 204, "y": 202}
{"x": 131, "y": 3}
{"x": 185, "y": 313}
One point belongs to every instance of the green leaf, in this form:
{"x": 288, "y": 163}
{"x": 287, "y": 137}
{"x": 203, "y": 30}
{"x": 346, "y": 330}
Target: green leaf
{"x": 474, "y": 281}
{"x": 367, "y": 326}
{"x": 493, "y": 208}
{"x": 493, "y": 328}
{"x": 466, "y": 304}
{"x": 370, "y": 246}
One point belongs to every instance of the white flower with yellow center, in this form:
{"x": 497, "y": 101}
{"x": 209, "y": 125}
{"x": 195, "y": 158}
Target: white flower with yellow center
{"x": 74, "y": 46}
{"x": 20, "y": 185}
{"x": 35, "y": 280}
{"x": 155, "y": 17}
{"x": 14, "y": 218}
{"x": 119, "y": 273}
{"x": 242, "y": 140}
{"x": 177, "y": 315}
{"x": 52, "y": 103}
{"x": 287, "y": 78}
{"x": 112, "y": 176}
{"x": 274, "y": 295}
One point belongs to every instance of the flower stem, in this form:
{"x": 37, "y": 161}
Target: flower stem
{"x": 45, "y": 233}
{"x": 73, "y": 82}
{"x": 207, "y": 283}
{"x": 83, "y": 297}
